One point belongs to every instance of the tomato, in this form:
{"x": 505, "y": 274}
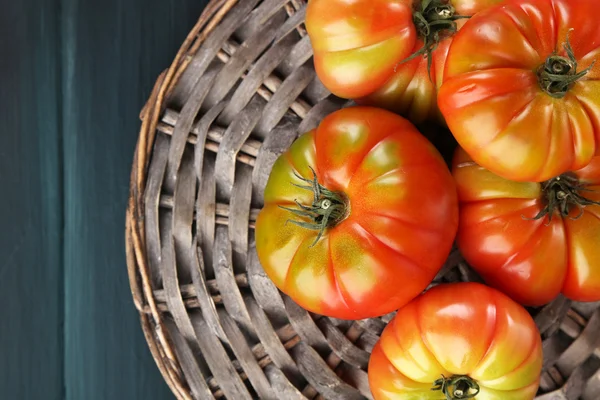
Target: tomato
{"x": 521, "y": 92}
{"x": 455, "y": 341}
{"x": 531, "y": 260}
{"x": 375, "y": 230}
{"x": 361, "y": 49}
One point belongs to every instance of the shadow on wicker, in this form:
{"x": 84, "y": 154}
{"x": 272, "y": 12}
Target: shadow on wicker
{"x": 240, "y": 90}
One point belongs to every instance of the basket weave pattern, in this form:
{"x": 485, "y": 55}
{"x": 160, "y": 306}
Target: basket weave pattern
{"x": 238, "y": 93}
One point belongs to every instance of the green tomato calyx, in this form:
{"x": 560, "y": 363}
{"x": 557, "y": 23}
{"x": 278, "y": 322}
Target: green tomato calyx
{"x": 558, "y": 74}
{"x": 434, "y": 20}
{"x": 326, "y": 211}
{"x": 457, "y": 387}
{"x": 563, "y": 194}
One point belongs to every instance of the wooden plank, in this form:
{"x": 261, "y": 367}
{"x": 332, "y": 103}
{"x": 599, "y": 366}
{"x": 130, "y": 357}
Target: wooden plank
{"x": 113, "y": 52}
{"x": 30, "y": 212}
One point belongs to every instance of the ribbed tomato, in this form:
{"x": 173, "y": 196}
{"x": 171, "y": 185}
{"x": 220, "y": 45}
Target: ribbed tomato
{"x": 521, "y": 90}
{"x": 359, "y": 215}
{"x": 458, "y": 341}
{"x": 361, "y": 49}
{"x": 532, "y": 240}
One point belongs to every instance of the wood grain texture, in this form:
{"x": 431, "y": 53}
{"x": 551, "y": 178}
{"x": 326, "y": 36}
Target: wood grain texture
{"x": 31, "y": 202}
{"x": 112, "y": 53}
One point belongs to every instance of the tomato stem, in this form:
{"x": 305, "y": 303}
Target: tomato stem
{"x": 562, "y": 194}
{"x": 558, "y": 74}
{"x": 457, "y": 387}
{"x": 326, "y": 211}
{"x": 434, "y": 20}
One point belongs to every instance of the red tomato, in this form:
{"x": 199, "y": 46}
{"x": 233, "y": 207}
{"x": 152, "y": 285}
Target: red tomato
{"x": 532, "y": 260}
{"x": 386, "y": 204}
{"x": 361, "y": 49}
{"x": 458, "y": 340}
{"x": 515, "y": 98}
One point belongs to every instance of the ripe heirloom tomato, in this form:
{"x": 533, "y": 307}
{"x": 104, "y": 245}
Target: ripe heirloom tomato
{"x": 521, "y": 91}
{"x": 361, "y": 49}
{"x": 359, "y": 215}
{"x": 532, "y": 240}
{"x": 465, "y": 340}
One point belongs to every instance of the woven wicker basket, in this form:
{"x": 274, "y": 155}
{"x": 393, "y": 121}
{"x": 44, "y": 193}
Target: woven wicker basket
{"x": 239, "y": 91}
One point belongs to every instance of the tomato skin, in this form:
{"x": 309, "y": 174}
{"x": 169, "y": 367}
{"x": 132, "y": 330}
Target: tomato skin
{"x": 530, "y": 260}
{"x": 401, "y": 225}
{"x": 357, "y": 42}
{"x": 493, "y": 103}
{"x": 359, "y": 49}
{"x": 458, "y": 329}
{"x": 411, "y": 90}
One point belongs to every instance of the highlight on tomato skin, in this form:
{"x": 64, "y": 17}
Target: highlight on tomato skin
{"x": 359, "y": 215}
{"x": 533, "y": 241}
{"x": 357, "y": 43}
{"x": 521, "y": 88}
{"x": 458, "y": 341}
{"x": 387, "y": 53}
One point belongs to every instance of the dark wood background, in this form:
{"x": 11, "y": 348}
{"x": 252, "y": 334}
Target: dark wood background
{"x": 74, "y": 75}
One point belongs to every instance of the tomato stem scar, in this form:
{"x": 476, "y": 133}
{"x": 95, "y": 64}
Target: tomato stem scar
{"x": 562, "y": 194}
{"x": 434, "y": 21}
{"x": 558, "y": 74}
{"x": 328, "y": 208}
{"x": 457, "y": 387}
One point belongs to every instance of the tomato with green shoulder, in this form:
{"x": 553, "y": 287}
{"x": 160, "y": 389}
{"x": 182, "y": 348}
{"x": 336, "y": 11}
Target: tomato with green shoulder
{"x": 531, "y": 240}
{"x": 458, "y": 341}
{"x": 521, "y": 91}
{"x": 387, "y": 53}
{"x": 359, "y": 215}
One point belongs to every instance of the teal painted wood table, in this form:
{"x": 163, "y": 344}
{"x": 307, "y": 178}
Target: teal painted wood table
{"x": 74, "y": 75}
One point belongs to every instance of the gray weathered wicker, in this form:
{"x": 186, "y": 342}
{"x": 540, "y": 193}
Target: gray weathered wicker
{"x": 239, "y": 91}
